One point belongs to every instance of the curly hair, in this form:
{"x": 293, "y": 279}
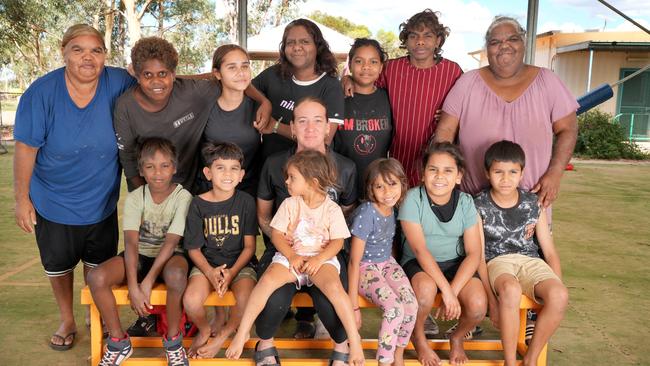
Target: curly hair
{"x": 325, "y": 60}
{"x": 153, "y": 48}
{"x": 429, "y": 19}
{"x": 364, "y": 42}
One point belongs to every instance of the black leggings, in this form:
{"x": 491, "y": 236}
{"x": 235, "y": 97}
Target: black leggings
{"x": 278, "y": 304}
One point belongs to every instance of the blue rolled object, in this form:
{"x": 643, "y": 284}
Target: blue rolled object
{"x": 595, "y": 97}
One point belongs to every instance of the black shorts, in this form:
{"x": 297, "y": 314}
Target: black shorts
{"x": 448, "y": 268}
{"x": 145, "y": 263}
{"x": 63, "y": 246}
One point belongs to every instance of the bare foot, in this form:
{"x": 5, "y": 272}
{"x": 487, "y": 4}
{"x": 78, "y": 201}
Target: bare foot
{"x": 457, "y": 354}
{"x": 356, "y": 357}
{"x": 198, "y": 342}
{"x": 399, "y": 356}
{"x": 426, "y": 356}
{"x": 528, "y": 361}
{"x": 236, "y": 346}
{"x": 212, "y": 348}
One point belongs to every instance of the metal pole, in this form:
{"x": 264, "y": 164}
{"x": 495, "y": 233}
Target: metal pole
{"x": 242, "y": 22}
{"x": 531, "y": 30}
{"x": 591, "y": 65}
{"x": 624, "y": 16}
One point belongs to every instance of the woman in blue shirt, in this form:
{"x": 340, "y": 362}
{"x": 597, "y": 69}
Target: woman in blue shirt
{"x": 66, "y": 170}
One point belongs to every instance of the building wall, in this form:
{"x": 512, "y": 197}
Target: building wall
{"x": 573, "y": 68}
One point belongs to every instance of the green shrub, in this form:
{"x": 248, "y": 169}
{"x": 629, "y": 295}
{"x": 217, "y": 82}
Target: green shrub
{"x": 601, "y": 138}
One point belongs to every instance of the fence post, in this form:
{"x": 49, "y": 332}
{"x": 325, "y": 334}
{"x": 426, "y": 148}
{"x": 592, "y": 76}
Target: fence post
{"x": 631, "y": 126}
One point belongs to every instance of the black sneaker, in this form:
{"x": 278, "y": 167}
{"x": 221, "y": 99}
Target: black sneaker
{"x": 175, "y": 352}
{"x": 116, "y": 352}
{"x": 144, "y": 326}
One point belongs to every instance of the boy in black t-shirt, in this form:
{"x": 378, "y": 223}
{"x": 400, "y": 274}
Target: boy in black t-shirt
{"x": 220, "y": 238}
{"x": 511, "y": 219}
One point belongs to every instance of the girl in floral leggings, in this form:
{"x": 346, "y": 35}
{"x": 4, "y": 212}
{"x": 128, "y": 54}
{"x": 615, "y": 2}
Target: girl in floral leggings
{"x": 372, "y": 271}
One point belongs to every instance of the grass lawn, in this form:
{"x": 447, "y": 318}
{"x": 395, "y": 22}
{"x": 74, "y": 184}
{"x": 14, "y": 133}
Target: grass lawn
{"x": 600, "y": 227}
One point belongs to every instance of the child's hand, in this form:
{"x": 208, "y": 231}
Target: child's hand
{"x": 139, "y": 303}
{"x": 215, "y": 276}
{"x": 296, "y": 262}
{"x": 312, "y": 265}
{"x": 450, "y": 308}
{"x": 226, "y": 278}
{"x": 145, "y": 287}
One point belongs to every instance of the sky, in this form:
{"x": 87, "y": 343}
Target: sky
{"x": 468, "y": 19}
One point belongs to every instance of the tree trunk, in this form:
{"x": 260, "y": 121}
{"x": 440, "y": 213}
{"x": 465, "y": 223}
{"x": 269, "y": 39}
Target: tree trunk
{"x": 283, "y": 9}
{"x": 132, "y": 25}
{"x": 231, "y": 19}
{"x": 109, "y": 21}
{"x": 161, "y": 17}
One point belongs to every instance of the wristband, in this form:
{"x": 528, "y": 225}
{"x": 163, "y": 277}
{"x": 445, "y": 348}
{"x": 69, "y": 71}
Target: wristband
{"x": 276, "y": 125}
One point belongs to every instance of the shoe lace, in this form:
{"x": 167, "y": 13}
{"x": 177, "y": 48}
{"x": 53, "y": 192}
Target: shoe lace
{"x": 176, "y": 357}
{"x": 109, "y": 357}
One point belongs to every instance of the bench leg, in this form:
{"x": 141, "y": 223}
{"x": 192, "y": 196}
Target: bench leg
{"x": 95, "y": 336}
{"x": 522, "y": 347}
{"x": 541, "y": 360}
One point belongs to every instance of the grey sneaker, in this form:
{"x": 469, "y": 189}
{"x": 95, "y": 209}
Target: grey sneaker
{"x": 430, "y": 327}
{"x": 116, "y": 352}
{"x": 175, "y": 352}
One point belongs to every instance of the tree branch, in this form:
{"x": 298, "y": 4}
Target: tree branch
{"x": 144, "y": 9}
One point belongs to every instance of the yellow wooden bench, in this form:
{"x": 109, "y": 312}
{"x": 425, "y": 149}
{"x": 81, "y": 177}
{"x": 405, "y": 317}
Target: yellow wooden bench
{"x": 159, "y": 296}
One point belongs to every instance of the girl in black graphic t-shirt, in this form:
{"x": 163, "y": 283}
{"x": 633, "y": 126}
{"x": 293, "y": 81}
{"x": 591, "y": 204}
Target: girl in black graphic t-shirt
{"x": 365, "y": 134}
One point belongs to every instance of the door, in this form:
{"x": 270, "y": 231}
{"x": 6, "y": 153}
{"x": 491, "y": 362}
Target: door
{"x": 634, "y": 104}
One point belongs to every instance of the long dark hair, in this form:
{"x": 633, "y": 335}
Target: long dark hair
{"x": 325, "y": 60}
